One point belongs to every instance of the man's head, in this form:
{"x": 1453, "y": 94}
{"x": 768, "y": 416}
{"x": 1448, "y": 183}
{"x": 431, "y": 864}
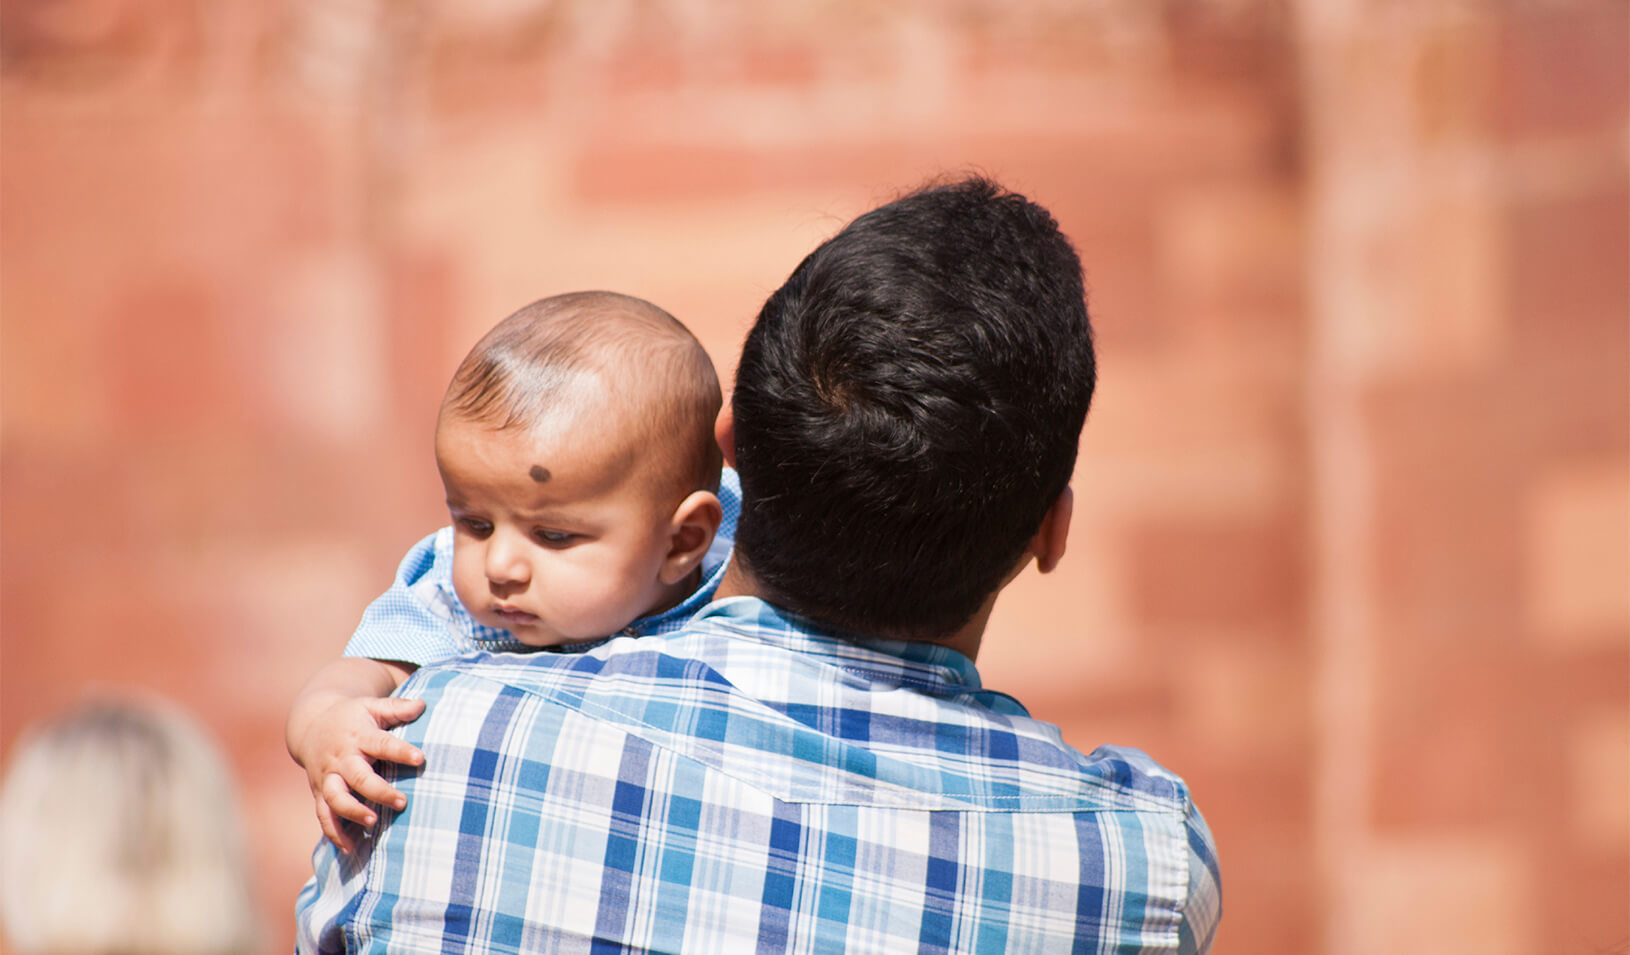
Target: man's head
{"x": 575, "y": 444}
{"x": 907, "y": 410}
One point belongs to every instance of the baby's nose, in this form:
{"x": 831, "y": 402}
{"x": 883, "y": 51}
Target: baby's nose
{"x": 506, "y": 560}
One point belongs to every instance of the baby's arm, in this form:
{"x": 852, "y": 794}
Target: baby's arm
{"x": 337, "y": 728}
{"x": 337, "y": 722}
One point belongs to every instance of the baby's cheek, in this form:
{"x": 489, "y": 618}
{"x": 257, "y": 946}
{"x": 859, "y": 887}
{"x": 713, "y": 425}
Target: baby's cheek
{"x": 601, "y": 607}
{"x": 463, "y": 584}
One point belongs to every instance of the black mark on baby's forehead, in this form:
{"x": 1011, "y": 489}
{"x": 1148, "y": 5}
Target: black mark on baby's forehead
{"x": 539, "y": 473}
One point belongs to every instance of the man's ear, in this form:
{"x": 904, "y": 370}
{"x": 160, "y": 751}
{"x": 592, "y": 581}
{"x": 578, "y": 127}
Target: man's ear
{"x": 1048, "y": 544}
{"x": 694, "y": 523}
{"x": 724, "y": 432}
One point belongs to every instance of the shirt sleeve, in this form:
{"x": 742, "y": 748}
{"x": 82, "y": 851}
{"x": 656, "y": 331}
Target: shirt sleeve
{"x": 419, "y": 620}
{"x": 325, "y": 903}
{"x": 1203, "y": 908}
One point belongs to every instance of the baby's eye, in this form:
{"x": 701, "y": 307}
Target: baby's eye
{"x": 474, "y": 527}
{"x": 551, "y": 538}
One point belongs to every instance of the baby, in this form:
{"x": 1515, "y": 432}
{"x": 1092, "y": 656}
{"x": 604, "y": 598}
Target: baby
{"x": 576, "y": 447}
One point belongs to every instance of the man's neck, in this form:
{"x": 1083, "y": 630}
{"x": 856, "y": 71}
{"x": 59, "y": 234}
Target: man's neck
{"x": 737, "y": 582}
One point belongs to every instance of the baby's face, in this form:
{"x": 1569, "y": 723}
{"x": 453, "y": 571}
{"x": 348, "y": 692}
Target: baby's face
{"x": 557, "y": 537}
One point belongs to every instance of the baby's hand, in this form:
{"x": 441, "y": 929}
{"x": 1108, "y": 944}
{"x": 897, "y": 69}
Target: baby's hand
{"x": 338, "y": 751}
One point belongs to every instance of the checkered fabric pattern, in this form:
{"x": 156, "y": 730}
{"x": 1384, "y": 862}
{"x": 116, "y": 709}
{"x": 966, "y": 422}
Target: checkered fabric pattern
{"x": 420, "y": 620}
{"x": 752, "y": 784}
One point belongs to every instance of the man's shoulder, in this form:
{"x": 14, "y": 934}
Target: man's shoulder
{"x": 744, "y": 730}
{"x": 748, "y": 692}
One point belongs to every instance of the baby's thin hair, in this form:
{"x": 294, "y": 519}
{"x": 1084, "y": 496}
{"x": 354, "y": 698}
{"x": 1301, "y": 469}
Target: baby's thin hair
{"x": 518, "y": 373}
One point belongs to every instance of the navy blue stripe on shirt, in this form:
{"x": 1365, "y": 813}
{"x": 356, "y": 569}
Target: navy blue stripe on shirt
{"x": 482, "y": 777}
{"x": 780, "y": 874}
{"x": 622, "y": 851}
{"x": 1089, "y": 894}
{"x": 940, "y": 882}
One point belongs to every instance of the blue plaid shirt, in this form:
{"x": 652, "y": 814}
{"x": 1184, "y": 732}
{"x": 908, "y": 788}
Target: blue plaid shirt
{"x": 420, "y": 619}
{"x": 751, "y": 783}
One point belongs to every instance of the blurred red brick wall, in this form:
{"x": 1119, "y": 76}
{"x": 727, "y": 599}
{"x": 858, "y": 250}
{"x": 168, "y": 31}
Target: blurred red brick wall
{"x": 1352, "y": 550}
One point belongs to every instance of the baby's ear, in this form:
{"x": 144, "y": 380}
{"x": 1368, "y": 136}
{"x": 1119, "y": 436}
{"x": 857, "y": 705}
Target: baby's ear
{"x": 694, "y": 523}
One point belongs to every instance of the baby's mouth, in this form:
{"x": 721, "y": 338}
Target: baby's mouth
{"x": 513, "y": 615}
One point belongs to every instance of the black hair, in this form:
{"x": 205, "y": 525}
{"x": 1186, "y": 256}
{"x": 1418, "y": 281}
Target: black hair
{"x": 908, "y": 406}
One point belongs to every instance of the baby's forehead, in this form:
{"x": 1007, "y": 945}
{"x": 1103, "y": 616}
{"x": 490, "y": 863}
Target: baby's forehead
{"x": 581, "y": 444}
{"x": 564, "y": 460}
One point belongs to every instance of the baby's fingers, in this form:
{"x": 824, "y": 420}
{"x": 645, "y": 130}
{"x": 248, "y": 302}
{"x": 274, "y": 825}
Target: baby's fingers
{"x": 343, "y": 804}
{"x": 394, "y": 710}
{"x": 332, "y": 826}
{"x": 360, "y": 775}
{"x": 393, "y": 749}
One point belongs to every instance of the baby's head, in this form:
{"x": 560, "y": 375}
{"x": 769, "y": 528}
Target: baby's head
{"x": 576, "y": 447}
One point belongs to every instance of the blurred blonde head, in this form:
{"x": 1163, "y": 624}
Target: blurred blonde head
{"x": 120, "y": 834}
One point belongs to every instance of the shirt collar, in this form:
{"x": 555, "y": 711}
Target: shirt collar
{"x": 924, "y": 666}
{"x": 680, "y": 612}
